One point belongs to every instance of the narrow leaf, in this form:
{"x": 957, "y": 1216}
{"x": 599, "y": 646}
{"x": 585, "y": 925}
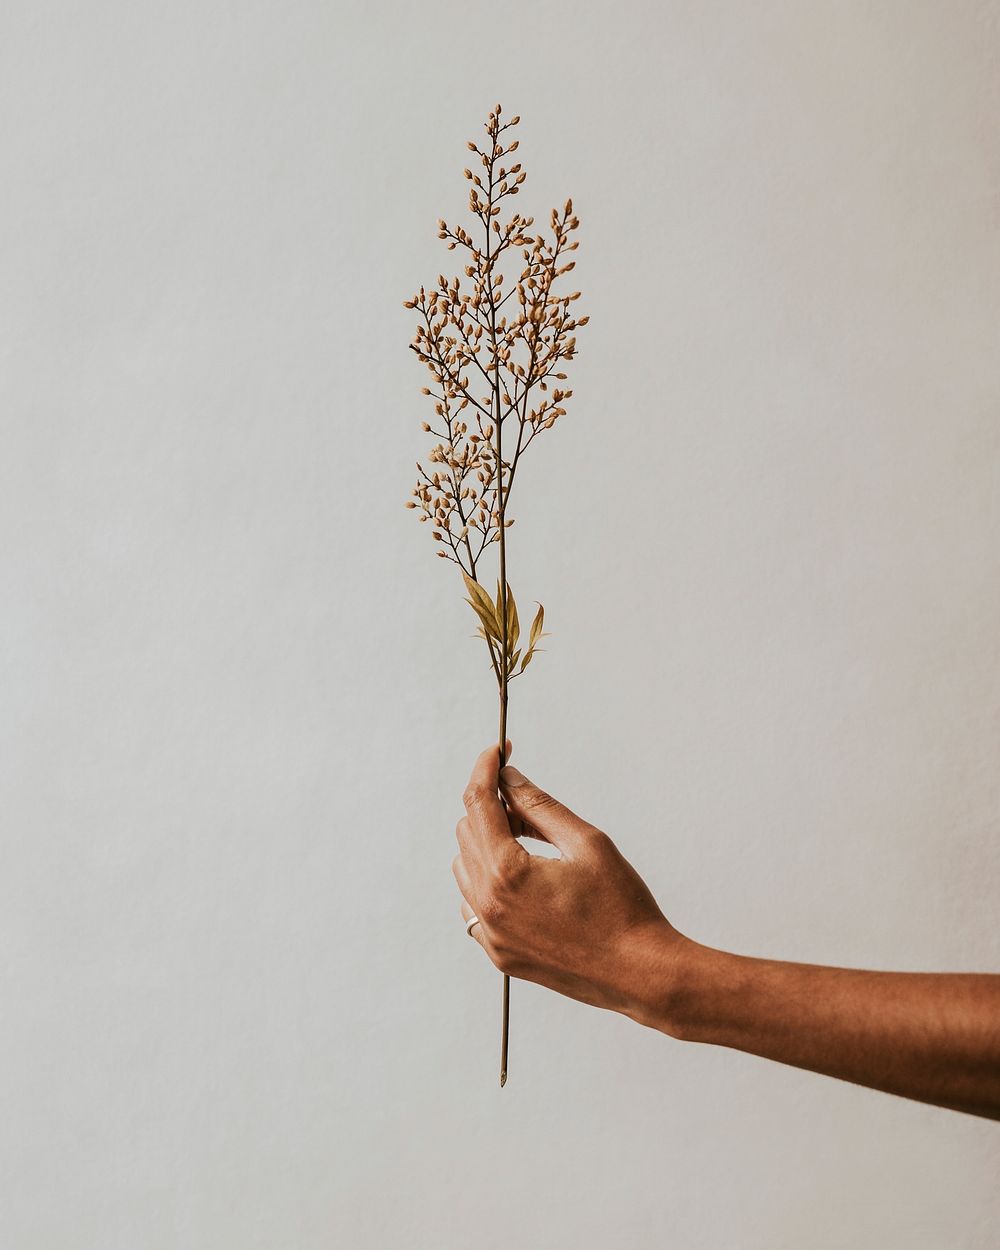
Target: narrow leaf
{"x": 476, "y": 591}
{"x": 536, "y": 625}
{"x": 488, "y": 621}
{"x": 480, "y": 600}
{"x": 513, "y": 626}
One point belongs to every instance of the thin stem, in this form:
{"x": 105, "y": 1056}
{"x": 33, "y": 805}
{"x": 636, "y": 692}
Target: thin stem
{"x": 501, "y": 505}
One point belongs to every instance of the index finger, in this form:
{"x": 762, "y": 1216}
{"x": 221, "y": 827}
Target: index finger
{"x": 487, "y": 815}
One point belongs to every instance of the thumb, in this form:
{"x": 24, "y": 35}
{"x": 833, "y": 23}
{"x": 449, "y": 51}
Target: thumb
{"x": 553, "y": 820}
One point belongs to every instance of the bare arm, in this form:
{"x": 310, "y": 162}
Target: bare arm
{"x": 932, "y": 1036}
{"x": 587, "y": 925}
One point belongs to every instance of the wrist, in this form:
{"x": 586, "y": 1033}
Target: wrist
{"x": 666, "y": 974}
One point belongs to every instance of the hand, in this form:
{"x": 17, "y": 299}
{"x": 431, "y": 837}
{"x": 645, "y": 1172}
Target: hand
{"x": 584, "y": 924}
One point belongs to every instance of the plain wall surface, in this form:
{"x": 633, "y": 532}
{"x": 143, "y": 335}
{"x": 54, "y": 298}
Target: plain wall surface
{"x": 240, "y": 698}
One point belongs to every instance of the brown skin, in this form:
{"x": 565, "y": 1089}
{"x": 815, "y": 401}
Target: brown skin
{"x": 587, "y": 926}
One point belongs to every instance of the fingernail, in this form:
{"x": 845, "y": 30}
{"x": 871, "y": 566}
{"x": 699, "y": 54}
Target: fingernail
{"x": 511, "y": 777}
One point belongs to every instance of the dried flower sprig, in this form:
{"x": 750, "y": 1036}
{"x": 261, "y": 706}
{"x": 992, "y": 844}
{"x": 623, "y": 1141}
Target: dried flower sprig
{"x": 471, "y": 339}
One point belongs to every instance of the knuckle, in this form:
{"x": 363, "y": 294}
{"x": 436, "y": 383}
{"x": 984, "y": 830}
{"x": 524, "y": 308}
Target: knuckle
{"x": 539, "y": 800}
{"x": 492, "y": 909}
{"x": 474, "y": 794}
{"x": 598, "y": 842}
{"x": 595, "y": 846}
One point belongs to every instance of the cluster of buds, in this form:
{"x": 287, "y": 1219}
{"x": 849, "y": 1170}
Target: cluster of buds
{"x": 493, "y": 351}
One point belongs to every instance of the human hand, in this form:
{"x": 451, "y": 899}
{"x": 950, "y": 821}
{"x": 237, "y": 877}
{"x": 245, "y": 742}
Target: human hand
{"x": 585, "y": 924}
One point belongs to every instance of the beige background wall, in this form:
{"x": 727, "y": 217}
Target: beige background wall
{"x": 239, "y": 698}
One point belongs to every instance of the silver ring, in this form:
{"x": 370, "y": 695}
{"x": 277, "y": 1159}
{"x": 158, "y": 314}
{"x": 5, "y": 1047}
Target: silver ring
{"x": 471, "y": 921}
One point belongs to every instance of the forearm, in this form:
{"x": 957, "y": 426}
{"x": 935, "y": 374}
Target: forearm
{"x": 934, "y": 1037}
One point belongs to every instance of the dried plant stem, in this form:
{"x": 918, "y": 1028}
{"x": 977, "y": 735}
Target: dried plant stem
{"x": 502, "y": 534}
{"x": 505, "y": 1009}
{"x": 465, "y": 498}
